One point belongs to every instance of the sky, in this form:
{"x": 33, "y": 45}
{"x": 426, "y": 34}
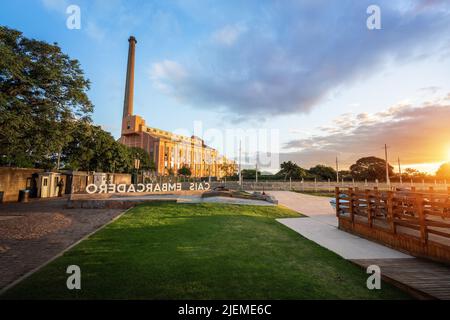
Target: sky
{"x": 293, "y": 80}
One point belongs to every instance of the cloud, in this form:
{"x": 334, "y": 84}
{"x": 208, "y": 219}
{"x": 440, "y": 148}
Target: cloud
{"x": 415, "y": 134}
{"x": 430, "y": 89}
{"x": 291, "y": 55}
{"x": 56, "y": 5}
{"x": 94, "y": 31}
{"x": 229, "y": 34}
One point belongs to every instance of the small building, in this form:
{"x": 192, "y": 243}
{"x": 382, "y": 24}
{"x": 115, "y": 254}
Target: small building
{"x": 50, "y": 184}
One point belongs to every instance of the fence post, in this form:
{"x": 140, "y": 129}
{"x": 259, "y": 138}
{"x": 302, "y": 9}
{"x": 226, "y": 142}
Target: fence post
{"x": 369, "y": 209}
{"x": 390, "y": 211}
{"x": 336, "y": 192}
{"x": 350, "y": 206}
{"x": 421, "y": 215}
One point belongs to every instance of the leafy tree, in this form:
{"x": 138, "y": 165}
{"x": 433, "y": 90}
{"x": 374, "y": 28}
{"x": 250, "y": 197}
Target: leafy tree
{"x": 42, "y": 93}
{"x": 410, "y": 173}
{"x": 229, "y": 169}
{"x": 323, "y": 172}
{"x": 370, "y": 168}
{"x": 93, "y": 149}
{"x": 250, "y": 174}
{"x": 290, "y": 169}
{"x": 145, "y": 162}
{"x": 444, "y": 171}
{"x": 185, "y": 171}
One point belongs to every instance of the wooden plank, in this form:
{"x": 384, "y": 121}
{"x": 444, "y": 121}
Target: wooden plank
{"x": 423, "y": 279}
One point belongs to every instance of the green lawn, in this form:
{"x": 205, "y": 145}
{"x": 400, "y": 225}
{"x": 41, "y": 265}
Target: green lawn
{"x": 201, "y": 251}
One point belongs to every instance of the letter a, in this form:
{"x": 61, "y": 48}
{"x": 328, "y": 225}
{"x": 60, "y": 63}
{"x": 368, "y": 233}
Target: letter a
{"x": 374, "y": 20}
{"x": 374, "y": 281}
{"x": 74, "y": 280}
{"x": 74, "y": 19}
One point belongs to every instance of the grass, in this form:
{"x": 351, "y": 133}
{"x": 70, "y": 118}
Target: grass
{"x": 201, "y": 251}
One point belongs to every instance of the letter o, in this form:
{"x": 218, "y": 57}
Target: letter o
{"x": 89, "y": 186}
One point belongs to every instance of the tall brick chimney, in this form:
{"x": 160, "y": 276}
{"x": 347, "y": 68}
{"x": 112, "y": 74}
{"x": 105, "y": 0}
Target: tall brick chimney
{"x": 129, "y": 87}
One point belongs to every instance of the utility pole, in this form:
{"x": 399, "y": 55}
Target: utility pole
{"x": 240, "y": 173}
{"x": 388, "y": 181}
{"x": 337, "y": 170}
{"x": 400, "y": 171}
{"x": 256, "y": 171}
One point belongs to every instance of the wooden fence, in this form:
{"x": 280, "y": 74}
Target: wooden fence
{"x": 408, "y": 220}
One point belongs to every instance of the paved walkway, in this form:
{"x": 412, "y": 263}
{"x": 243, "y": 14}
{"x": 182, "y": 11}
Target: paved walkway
{"x": 321, "y": 224}
{"x": 423, "y": 279}
{"x": 33, "y": 233}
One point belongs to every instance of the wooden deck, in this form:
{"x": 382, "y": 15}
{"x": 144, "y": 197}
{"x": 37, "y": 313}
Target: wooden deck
{"x": 421, "y": 278}
{"x": 406, "y": 220}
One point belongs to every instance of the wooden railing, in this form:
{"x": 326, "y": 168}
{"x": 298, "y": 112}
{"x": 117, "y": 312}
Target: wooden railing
{"x": 415, "y": 222}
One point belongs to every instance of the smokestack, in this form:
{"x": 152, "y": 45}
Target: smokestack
{"x": 129, "y": 87}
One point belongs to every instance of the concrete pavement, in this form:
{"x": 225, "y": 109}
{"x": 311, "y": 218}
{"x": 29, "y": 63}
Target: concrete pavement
{"x": 321, "y": 226}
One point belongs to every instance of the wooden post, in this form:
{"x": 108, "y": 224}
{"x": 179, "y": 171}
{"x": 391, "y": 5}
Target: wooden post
{"x": 390, "y": 211}
{"x": 421, "y": 215}
{"x": 336, "y": 192}
{"x": 369, "y": 209}
{"x": 350, "y": 206}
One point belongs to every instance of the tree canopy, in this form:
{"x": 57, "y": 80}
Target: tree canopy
{"x": 444, "y": 171}
{"x": 291, "y": 170}
{"x": 323, "y": 172}
{"x": 184, "y": 171}
{"x": 45, "y": 113}
{"x": 370, "y": 168}
{"x": 42, "y": 91}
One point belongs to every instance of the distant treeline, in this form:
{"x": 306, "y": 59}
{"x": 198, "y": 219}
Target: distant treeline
{"x": 367, "y": 168}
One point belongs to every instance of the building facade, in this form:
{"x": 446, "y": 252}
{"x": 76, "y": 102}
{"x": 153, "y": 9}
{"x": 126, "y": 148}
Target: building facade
{"x": 168, "y": 151}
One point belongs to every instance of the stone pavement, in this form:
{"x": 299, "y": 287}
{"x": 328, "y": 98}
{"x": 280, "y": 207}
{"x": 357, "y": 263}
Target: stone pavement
{"x": 33, "y": 233}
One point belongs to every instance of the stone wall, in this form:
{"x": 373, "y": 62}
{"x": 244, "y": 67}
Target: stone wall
{"x": 14, "y": 179}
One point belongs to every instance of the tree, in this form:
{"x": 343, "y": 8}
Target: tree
{"x": 92, "y": 149}
{"x": 42, "y": 93}
{"x": 370, "y": 168}
{"x": 323, "y": 172}
{"x": 185, "y": 171}
{"x": 228, "y": 169}
{"x": 250, "y": 174}
{"x": 410, "y": 173}
{"x": 145, "y": 162}
{"x": 444, "y": 171}
{"x": 290, "y": 169}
